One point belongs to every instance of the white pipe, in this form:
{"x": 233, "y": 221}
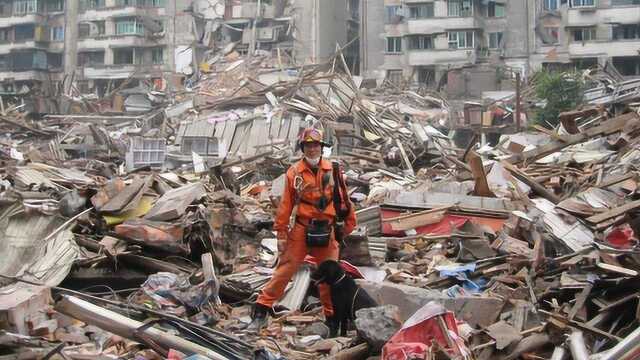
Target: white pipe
{"x": 627, "y": 349}
{"x": 578, "y": 347}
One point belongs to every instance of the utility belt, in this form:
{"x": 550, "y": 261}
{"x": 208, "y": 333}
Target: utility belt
{"x": 317, "y": 232}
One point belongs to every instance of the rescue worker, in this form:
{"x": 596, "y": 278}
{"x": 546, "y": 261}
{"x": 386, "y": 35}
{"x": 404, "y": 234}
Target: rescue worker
{"x": 308, "y": 196}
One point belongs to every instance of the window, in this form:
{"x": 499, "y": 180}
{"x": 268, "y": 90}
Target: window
{"x": 420, "y": 42}
{"x": 126, "y": 3}
{"x": 627, "y": 66}
{"x": 624, "y": 2}
{"x": 582, "y": 3}
{"x": 91, "y": 58}
{"x": 5, "y": 7}
{"x": 5, "y": 35}
{"x": 495, "y": 9}
{"x": 584, "y": 34}
{"x": 99, "y": 27}
{"x": 55, "y": 5}
{"x": 54, "y": 60}
{"x": 129, "y": 26}
{"x": 156, "y": 3}
{"x": 5, "y": 61}
{"x": 123, "y": 56}
{"x": 22, "y": 7}
{"x": 495, "y": 40}
{"x": 426, "y": 76}
{"x": 459, "y": 8}
{"x": 392, "y": 14}
{"x": 626, "y": 32}
{"x": 91, "y": 4}
{"x": 552, "y": 33}
{"x": 461, "y": 40}
{"x": 84, "y": 30}
{"x": 25, "y": 32}
{"x": 394, "y": 76}
{"x": 551, "y": 4}
{"x": 394, "y": 44}
{"x": 157, "y": 57}
{"x": 57, "y": 33}
{"x": 421, "y": 11}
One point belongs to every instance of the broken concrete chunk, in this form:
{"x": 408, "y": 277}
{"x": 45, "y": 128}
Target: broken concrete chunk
{"x": 377, "y": 325}
{"x": 504, "y": 334}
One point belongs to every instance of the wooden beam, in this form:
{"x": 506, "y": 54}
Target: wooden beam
{"x": 479, "y": 176}
{"x": 536, "y": 187}
{"x": 620, "y": 210}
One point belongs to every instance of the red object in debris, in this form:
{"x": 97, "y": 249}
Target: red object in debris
{"x": 430, "y": 325}
{"x": 445, "y": 227}
{"x": 621, "y": 237}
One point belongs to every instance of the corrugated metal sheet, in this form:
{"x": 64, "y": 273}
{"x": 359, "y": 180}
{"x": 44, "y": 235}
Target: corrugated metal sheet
{"x": 26, "y": 254}
{"x": 201, "y": 128}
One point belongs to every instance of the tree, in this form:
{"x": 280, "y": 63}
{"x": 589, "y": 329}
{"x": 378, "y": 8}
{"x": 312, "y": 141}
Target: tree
{"x": 560, "y": 91}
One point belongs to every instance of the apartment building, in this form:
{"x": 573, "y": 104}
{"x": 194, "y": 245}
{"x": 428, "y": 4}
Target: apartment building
{"x": 98, "y": 44}
{"x": 584, "y": 33}
{"x": 421, "y": 41}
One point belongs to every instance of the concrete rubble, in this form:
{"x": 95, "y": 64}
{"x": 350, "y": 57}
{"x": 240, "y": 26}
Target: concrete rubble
{"x": 147, "y": 234}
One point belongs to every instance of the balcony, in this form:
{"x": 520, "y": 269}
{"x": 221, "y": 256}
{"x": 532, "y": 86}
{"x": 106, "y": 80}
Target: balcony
{"x": 22, "y": 19}
{"x": 33, "y": 75}
{"x": 435, "y": 57}
{"x": 117, "y": 41}
{"x": 107, "y": 13}
{"x": 625, "y": 15}
{"x": 123, "y": 71}
{"x": 609, "y": 48}
{"x": 440, "y": 25}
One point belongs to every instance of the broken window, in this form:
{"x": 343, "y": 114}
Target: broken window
{"x": 627, "y": 66}
{"x": 459, "y": 8}
{"x": 495, "y": 40}
{"x": 22, "y": 7}
{"x": 420, "y": 42}
{"x": 392, "y": 14}
{"x": 129, "y": 26}
{"x": 56, "y": 33}
{"x": 91, "y": 58}
{"x": 394, "y": 44}
{"x": 421, "y": 11}
{"x": 495, "y": 10}
{"x": 427, "y": 76}
{"x": 157, "y": 55}
{"x": 584, "y": 34}
{"x": 582, "y": 3}
{"x": 626, "y": 32}
{"x": 551, "y": 4}
{"x": 553, "y": 34}
{"x": 394, "y": 76}
{"x": 100, "y": 29}
{"x": 200, "y": 145}
{"x": 461, "y": 40}
{"x": 25, "y": 32}
{"x": 55, "y": 5}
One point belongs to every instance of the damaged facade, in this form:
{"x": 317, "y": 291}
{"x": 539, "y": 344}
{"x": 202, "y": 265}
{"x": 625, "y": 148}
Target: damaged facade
{"x": 428, "y": 43}
{"x": 103, "y": 44}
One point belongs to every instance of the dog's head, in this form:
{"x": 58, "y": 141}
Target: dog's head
{"x": 329, "y": 272}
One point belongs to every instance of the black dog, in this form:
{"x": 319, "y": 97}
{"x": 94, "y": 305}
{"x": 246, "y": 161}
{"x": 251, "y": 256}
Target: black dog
{"x": 347, "y": 297}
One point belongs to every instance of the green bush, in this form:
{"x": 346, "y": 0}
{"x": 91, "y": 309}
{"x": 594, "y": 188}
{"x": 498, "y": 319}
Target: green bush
{"x": 562, "y": 91}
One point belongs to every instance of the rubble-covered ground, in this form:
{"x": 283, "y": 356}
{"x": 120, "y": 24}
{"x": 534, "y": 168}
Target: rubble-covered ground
{"x": 148, "y": 235}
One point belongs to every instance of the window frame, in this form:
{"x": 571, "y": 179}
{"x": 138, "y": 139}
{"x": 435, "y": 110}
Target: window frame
{"x": 427, "y": 7}
{"x": 393, "y": 45}
{"x": 591, "y": 31}
{"x": 389, "y": 14}
{"x": 458, "y": 40}
{"x": 572, "y": 4}
{"x": 499, "y": 40}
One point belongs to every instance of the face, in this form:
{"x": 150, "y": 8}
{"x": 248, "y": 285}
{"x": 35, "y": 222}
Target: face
{"x": 312, "y": 150}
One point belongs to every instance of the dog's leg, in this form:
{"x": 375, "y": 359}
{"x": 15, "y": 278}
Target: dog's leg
{"x": 332, "y": 323}
{"x": 344, "y": 323}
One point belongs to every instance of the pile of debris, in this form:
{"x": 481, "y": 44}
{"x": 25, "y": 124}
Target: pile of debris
{"x": 148, "y": 236}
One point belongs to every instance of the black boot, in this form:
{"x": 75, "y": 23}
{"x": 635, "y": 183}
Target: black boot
{"x": 259, "y": 318}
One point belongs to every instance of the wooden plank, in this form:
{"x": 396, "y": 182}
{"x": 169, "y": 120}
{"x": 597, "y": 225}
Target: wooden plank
{"x": 412, "y": 221}
{"x": 257, "y": 136}
{"x": 479, "y": 176}
{"x": 620, "y": 210}
{"x": 227, "y": 136}
{"x": 617, "y": 269}
{"x": 608, "y": 127}
{"x": 536, "y": 187}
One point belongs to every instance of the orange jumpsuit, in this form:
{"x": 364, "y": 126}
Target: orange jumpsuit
{"x": 296, "y": 248}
